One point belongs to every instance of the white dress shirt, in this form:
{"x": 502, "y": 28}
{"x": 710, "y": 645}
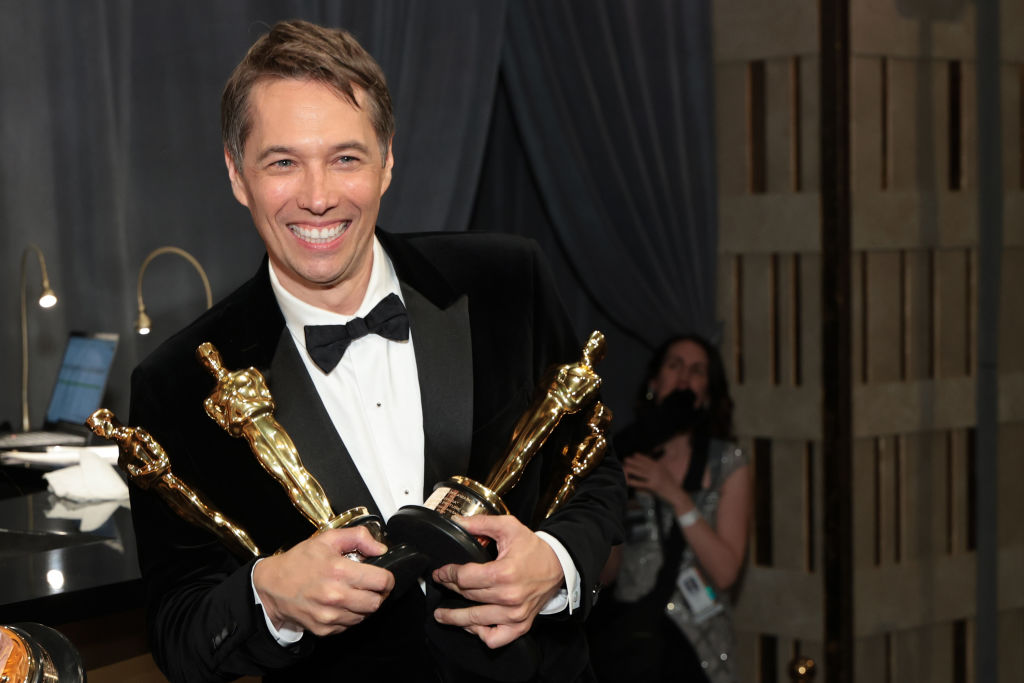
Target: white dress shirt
{"x": 373, "y": 400}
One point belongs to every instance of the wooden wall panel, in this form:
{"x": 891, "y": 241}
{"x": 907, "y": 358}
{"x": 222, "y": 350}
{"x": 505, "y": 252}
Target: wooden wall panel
{"x": 787, "y": 319}
{"x": 908, "y": 29}
{"x": 923, "y": 654}
{"x": 746, "y": 30}
{"x": 810, "y": 129}
{"x": 871, "y": 659}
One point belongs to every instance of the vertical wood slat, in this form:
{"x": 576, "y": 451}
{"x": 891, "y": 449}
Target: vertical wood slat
{"x": 726, "y": 310}
{"x": 886, "y": 512}
{"x": 858, "y": 313}
{"x": 952, "y": 307}
{"x": 756, "y": 128}
{"x": 1011, "y": 82}
{"x": 731, "y": 128}
{"x": 1011, "y": 311}
{"x": 757, "y": 314}
{"x": 917, "y": 274}
{"x": 778, "y": 143}
{"x": 933, "y": 154}
{"x": 1011, "y": 474}
{"x": 810, "y": 319}
{"x": 745, "y": 656}
{"x": 959, "y": 480}
{"x": 789, "y": 505}
{"x": 864, "y": 504}
{"x": 870, "y": 663}
{"x": 1011, "y": 654}
{"x": 882, "y": 334}
{"x": 902, "y": 124}
{"x": 810, "y": 131}
{"x": 969, "y": 119}
{"x": 866, "y": 158}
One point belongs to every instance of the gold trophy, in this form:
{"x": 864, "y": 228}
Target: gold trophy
{"x": 148, "y": 467}
{"x": 242, "y": 405}
{"x": 567, "y": 389}
{"x": 586, "y": 456}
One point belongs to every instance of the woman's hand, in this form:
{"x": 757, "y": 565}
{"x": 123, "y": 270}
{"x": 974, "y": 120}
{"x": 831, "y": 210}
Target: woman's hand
{"x": 647, "y": 474}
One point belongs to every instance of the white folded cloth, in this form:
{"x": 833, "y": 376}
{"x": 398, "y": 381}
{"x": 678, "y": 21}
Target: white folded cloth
{"x": 92, "y": 479}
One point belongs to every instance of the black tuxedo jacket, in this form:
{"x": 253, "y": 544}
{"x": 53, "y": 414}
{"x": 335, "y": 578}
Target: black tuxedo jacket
{"x": 486, "y": 324}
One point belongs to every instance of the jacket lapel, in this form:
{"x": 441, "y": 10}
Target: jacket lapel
{"x": 301, "y": 413}
{"x": 440, "y": 323}
{"x": 444, "y": 364}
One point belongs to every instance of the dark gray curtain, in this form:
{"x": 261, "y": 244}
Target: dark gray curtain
{"x": 602, "y": 148}
{"x": 599, "y": 146}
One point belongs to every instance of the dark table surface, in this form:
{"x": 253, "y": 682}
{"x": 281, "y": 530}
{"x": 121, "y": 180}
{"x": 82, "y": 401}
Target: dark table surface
{"x": 54, "y": 569}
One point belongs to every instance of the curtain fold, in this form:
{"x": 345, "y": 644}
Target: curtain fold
{"x": 612, "y": 101}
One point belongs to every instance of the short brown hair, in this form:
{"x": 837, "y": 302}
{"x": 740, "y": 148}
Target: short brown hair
{"x": 302, "y": 50}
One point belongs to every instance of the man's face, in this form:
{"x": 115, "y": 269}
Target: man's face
{"x": 312, "y": 177}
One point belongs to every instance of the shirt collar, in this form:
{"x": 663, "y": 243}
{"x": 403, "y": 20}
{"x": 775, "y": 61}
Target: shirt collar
{"x": 297, "y": 313}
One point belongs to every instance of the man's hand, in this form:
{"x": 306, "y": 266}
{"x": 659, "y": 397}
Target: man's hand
{"x": 313, "y": 585}
{"x": 512, "y": 589}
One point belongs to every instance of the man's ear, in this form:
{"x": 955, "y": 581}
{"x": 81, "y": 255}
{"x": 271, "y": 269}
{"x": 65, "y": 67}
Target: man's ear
{"x": 237, "y": 184}
{"x": 389, "y": 164}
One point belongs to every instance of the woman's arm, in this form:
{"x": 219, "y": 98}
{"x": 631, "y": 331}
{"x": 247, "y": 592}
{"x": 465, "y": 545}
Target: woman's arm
{"x": 720, "y": 550}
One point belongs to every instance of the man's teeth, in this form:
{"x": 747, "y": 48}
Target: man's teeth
{"x": 318, "y": 235}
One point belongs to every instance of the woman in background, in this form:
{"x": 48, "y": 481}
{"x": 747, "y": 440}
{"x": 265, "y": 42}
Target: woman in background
{"x": 668, "y": 616}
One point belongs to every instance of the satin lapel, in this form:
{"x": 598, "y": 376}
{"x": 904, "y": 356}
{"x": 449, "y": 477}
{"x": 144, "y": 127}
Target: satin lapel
{"x": 301, "y": 412}
{"x": 444, "y": 364}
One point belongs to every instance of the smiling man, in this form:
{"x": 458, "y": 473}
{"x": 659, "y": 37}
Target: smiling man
{"x": 473, "y": 324}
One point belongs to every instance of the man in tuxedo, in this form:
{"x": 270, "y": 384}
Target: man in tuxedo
{"x": 307, "y": 125}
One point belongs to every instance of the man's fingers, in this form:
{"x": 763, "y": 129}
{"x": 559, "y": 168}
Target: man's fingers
{"x": 353, "y": 539}
{"x": 492, "y": 624}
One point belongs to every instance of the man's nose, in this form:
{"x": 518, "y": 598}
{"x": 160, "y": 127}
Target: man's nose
{"x": 317, "y": 194}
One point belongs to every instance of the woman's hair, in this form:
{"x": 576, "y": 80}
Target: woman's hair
{"x": 720, "y": 404}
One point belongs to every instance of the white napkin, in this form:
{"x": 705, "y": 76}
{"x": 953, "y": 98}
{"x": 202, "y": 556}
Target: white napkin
{"x": 92, "y": 479}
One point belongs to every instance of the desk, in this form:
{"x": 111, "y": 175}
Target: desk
{"x": 98, "y": 604}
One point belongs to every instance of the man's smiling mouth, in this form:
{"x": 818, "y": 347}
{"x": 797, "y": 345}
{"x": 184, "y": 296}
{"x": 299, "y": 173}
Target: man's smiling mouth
{"x": 319, "y": 235}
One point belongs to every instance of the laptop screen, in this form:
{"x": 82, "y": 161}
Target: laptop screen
{"x": 82, "y": 377}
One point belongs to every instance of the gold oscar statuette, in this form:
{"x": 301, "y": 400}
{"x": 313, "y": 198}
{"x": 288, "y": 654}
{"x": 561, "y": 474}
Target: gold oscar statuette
{"x": 148, "y": 467}
{"x": 564, "y": 390}
{"x": 242, "y": 405}
{"x": 585, "y": 457}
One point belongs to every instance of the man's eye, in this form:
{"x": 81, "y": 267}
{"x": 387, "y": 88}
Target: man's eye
{"x": 282, "y": 163}
{"x": 347, "y": 159}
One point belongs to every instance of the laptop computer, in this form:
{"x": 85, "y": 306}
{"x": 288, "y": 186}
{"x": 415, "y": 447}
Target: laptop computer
{"x": 77, "y": 393}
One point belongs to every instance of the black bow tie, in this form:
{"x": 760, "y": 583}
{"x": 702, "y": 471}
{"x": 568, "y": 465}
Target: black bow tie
{"x": 327, "y": 343}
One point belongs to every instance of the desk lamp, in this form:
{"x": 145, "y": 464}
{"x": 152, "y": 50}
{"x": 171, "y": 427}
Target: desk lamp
{"x": 143, "y": 323}
{"x": 46, "y": 300}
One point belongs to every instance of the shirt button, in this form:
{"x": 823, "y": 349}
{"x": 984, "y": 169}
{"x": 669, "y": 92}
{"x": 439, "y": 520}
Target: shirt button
{"x": 378, "y": 404}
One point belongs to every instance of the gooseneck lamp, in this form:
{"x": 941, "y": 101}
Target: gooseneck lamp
{"x": 46, "y": 300}
{"x": 143, "y": 324}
